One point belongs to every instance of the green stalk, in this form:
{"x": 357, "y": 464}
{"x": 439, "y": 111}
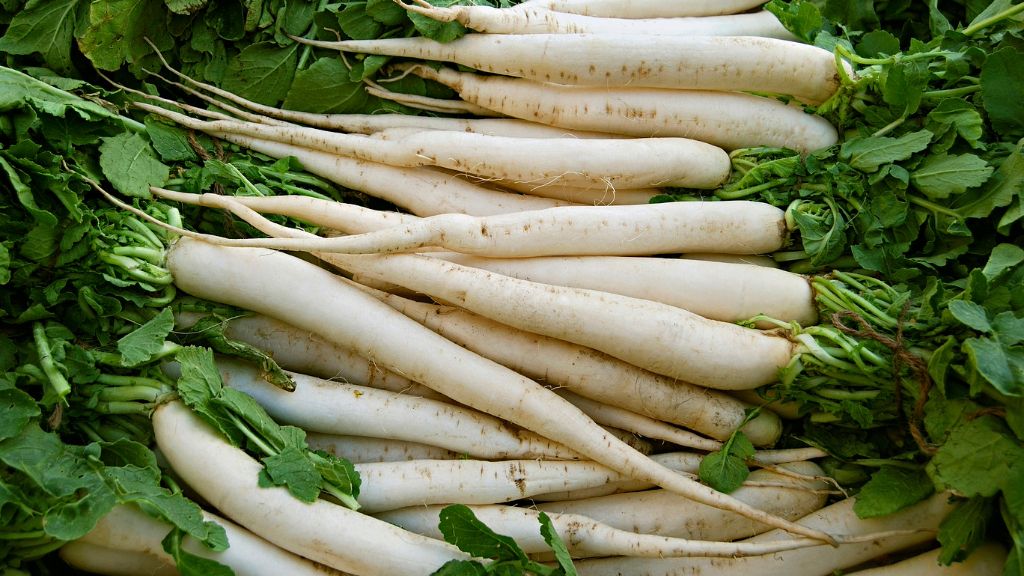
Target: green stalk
{"x": 1008, "y": 13}
{"x": 57, "y": 380}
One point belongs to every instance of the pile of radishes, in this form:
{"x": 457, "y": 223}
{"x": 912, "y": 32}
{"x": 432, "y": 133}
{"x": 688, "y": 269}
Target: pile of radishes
{"x": 519, "y": 342}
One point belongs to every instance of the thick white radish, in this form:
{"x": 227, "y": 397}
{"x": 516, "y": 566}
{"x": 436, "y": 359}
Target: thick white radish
{"x": 586, "y": 162}
{"x": 608, "y": 415}
{"x": 340, "y": 216}
{"x": 593, "y": 374}
{"x": 299, "y": 351}
{"x": 752, "y": 259}
{"x": 321, "y": 531}
{"x": 337, "y": 408}
{"x": 360, "y": 449}
{"x": 654, "y": 336}
{"x": 96, "y": 559}
{"x": 716, "y": 290}
{"x": 527, "y": 19}
{"x": 716, "y": 63}
{"x": 647, "y": 8}
{"x": 731, "y": 120}
{"x": 130, "y": 529}
{"x": 584, "y": 537}
{"x": 268, "y": 282}
{"x": 988, "y": 559}
{"x": 921, "y": 521}
{"x": 666, "y": 514}
{"x": 732, "y": 227}
{"x": 609, "y": 196}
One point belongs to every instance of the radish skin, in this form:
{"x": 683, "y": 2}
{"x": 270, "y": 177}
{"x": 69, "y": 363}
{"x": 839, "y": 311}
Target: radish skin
{"x": 751, "y": 259}
{"x": 337, "y": 408}
{"x": 647, "y": 8}
{"x": 620, "y": 162}
{"x": 111, "y": 562}
{"x": 592, "y": 374}
{"x": 129, "y": 529}
{"x": 358, "y": 449}
{"x": 739, "y": 291}
{"x": 267, "y": 282}
{"x": 300, "y": 351}
{"x": 321, "y": 531}
{"x": 920, "y": 520}
{"x": 986, "y": 560}
{"x": 730, "y": 120}
{"x": 715, "y": 63}
{"x": 609, "y": 196}
{"x": 666, "y": 514}
{"x": 526, "y": 19}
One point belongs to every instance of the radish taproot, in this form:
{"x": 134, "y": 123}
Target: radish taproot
{"x": 647, "y": 8}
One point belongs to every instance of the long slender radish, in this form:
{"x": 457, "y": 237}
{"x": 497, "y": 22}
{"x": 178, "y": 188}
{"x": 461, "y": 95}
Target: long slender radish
{"x": 528, "y": 19}
{"x": 624, "y": 163}
{"x": 742, "y": 291}
{"x": 592, "y": 374}
{"x": 96, "y": 559}
{"x": 336, "y": 408}
{"x": 719, "y": 63}
{"x": 731, "y": 120}
{"x": 988, "y": 559}
{"x": 667, "y": 514}
{"x": 583, "y": 536}
{"x": 608, "y": 415}
{"x": 920, "y": 522}
{"x": 583, "y": 523}
{"x": 647, "y": 8}
{"x": 268, "y": 282}
{"x": 300, "y": 351}
{"x": 732, "y": 227}
{"x": 608, "y": 196}
{"x": 324, "y": 532}
{"x": 360, "y": 449}
{"x": 128, "y": 528}
{"x": 392, "y": 485}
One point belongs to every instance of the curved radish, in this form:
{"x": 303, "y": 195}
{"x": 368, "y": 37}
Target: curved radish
{"x": 360, "y": 450}
{"x": 324, "y": 532}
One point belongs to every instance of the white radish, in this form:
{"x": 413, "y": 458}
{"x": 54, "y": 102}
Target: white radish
{"x": 321, "y": 531}
{"x": 741, "y": 291}
{"x": 96, "y": 559}
{"x": 753, "y": 260}
{"x": 988, "y": 559}
{"x": 718, "y": 63}
{"x": 306, "y": 353}
{"x": 647, "y": 8}
{"x": 731, "y": 120}
{"x": 623, "y": 163}
{"x": 731, "y": 227}
{"x": 608, "y": 196}
{"x": 667, "y": 514}
{"x": 919, "y": 523}
{"x": 583, "y": 536}
{"x": 526, "y": 19}
{"x": 336, "y": 408}
{"x": 593, "y": 374}
{"x": 268, "y": 282}
{"x": 360, "y": 449}
{"x": 128, "y": 528}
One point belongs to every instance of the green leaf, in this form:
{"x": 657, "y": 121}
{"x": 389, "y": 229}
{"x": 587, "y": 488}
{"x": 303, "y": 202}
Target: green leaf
{"x": 980, "y": 444}
{"x": 892, "y": 489}
{"x": 1002, "y": 83}
{"x": 460, "y": 568}
{"x": 461, "y": 527}
{"x": 960, "y": 115}
{"x": 290, "y": 468}
{"x": 18, "y": 409}
{"x": 438, "y": 31}
{"x": 801, "y": 17}
{"x": 387, "y": 12}
{"x": 726, "y": 469}
{"x": 878, "y": 43}
{"x": 185, "y": 6}
{"x": 963, "y": 529}
{"x": 129, "y": 163}
{"x": 325, "y": 88}
{"x": 188, "y": 564}
{"x": 170, "y": 142}
{"x": 1000, "y": 365}
{"x": 143, "y": 343}
{"x": 357, "y": 24}
{"x": 868, "y": 154}
{"x": 970, "y": 314}
{"x": 1006, "y": 183}
{"x": 554, "y": 541}
{"x": 117, "y": 31}
{"x": 262, "y": 72}
{"x": 1002, "y": 258}
{"x": 942, "y": 175}
{"x": 46, "y": 27}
